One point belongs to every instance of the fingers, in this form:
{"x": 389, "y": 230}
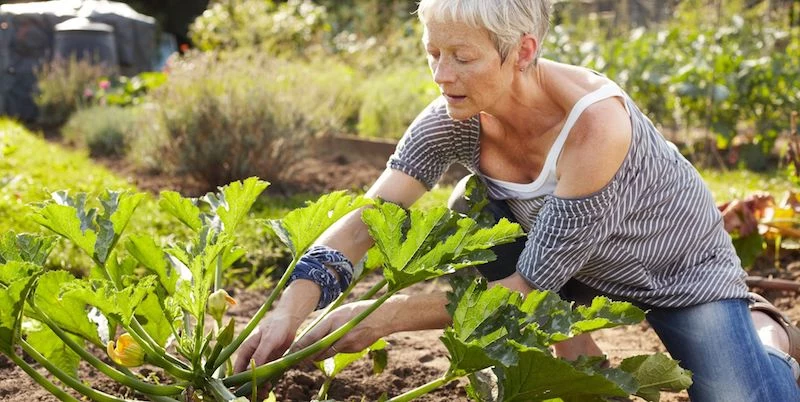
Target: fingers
{"x": 245, "y": 353}
{"x": 318, "y": 332}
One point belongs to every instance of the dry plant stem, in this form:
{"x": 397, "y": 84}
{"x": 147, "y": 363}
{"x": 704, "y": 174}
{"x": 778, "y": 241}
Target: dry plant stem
{"x": 68, "y": 380}
{"x": 272, "y": 369}
{"x": 41, "y": 380}
{"x": 114, "y": 374}
{"x": 230, "y": 349}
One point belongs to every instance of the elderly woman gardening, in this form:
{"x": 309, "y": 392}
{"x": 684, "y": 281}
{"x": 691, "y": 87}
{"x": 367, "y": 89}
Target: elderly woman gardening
{"x": 609, "y": 206}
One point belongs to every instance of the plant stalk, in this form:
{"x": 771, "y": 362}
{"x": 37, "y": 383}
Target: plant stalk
{"x": 157, "y": 358}
{"x": 67, "y": 379}
{"x": 220, "y": 391}
{"x": 230, "y": 349}
{"x": 270, "y": 370}
{"x": 338, "y": 302}
{"x": 424, "y": 389}
{"x": 114, "y": 374}
{"x": 152, "y": 344}
{"x": 323, "y": 390}
{"x": 44, "y": 382}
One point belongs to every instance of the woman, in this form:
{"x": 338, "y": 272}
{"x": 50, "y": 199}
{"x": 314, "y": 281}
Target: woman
{"x": 610, "y": 208}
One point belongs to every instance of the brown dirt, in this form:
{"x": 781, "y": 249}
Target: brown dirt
{"x": 414, "y": 358}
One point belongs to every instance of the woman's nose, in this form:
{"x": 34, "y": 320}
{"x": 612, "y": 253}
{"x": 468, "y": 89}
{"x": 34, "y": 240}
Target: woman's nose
{"x": 442, "y": 73}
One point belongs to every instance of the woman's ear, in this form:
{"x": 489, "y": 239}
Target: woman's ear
{"x": 529, "y": 47}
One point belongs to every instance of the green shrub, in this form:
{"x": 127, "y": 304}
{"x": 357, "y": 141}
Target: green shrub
{"x": 222, "y": 120}
{"x": 288, "y": 28}
{"x": 392, "y": 100}
{"x": 64, "y": 86}
{"x": 126, "y": 91}
{"x": 104, "y": 130}
{"x": 149, "y": 141}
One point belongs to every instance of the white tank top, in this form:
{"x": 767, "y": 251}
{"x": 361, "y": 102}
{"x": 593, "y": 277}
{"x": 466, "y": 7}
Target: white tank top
{"x": 547, "y": 181}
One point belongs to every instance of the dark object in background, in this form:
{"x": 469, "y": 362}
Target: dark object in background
{"x": 85, "y": 40}
{"x": 28, "y": 38}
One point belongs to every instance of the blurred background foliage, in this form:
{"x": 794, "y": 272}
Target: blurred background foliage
{"x": 263, "y": 79}
{"x": 717, "y": 76}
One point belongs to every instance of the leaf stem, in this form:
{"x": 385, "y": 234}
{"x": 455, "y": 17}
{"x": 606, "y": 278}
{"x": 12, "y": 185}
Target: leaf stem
{"x": 136, "y": 326}
{"x": 230, "y": 349}
{"x": 323, "y": 390}
{"x": 424, "y": 389}
{"x": 272, "y": 369}
{"x": 158, "y": 358}
{"x": 67, "y": 379}
{"x": 338, "y": 302}
{"x": 44, "y": 382}
{"x": 114, "y": 374}
{"x": 220, "y": 391}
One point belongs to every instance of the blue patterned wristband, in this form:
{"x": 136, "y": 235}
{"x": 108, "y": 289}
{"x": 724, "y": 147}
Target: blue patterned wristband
{"x": 316, "y": 266}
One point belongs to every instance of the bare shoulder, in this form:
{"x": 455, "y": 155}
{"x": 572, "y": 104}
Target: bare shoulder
{"x": 595, "y": 149}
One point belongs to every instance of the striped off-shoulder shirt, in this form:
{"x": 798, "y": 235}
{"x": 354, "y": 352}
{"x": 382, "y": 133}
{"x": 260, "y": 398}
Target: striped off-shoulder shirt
{"x": 652, "y": 234}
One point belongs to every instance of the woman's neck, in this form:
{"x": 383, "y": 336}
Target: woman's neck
{"x": 531, "y": 108}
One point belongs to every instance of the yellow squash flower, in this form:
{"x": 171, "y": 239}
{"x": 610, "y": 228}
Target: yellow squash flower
{"x": 127, "y": 353}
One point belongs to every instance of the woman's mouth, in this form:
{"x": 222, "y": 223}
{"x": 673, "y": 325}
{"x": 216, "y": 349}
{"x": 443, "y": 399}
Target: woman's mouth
{"x": 454, "y": 98}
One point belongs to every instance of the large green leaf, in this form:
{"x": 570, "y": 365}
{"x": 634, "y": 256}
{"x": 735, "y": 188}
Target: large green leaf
{"x": 419, "y": 245}
{"x": 496, "y": 327}
{"x": 184, "y": 209}
{"x": 484, "y": 320}
{"x": 302, "y": 226}
{"x": 117, "y": 211}
{"x": 15, "y": 270}
{"x": 152, "y": 257}
{"x": 119, "y": 304}
{"x": 603, "y": 313}
{"x": 64, "y": 220}
{"x": 656, "y": 373}
{"x": 234, "y": 201}
{"x": 540, "y": 376}
{"x": 12, "y": 301}
{"x": 46, "y": 342}
{"x": 151, "y": 314}
{"x": 96, "y": 235}
{"x": 120, "y": 270}
{"x": 25, "y": 247}
{"x": 70, "y": 314}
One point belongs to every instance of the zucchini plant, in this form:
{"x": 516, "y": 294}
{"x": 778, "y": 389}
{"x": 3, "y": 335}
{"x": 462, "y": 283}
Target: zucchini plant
{"x": 164, "y": 305}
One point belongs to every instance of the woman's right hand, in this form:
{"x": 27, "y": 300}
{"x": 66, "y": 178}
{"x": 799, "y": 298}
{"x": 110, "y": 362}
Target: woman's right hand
{"x": 269, "y": 340}
{"x": 276, "y": 332}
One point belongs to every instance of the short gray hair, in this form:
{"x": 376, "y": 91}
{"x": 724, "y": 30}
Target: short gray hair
{"x": 506, "y": 20}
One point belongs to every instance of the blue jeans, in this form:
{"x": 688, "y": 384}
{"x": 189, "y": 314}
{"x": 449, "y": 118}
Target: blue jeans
{"x": 717, "y": 341}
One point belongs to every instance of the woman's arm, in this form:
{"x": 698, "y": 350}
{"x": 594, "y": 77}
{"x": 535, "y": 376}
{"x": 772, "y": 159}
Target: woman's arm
{"x": 350, "y": 236}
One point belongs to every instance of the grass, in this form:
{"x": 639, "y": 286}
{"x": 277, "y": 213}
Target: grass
{"x": 31, "y": 168}
{"x": 727, "y": 185}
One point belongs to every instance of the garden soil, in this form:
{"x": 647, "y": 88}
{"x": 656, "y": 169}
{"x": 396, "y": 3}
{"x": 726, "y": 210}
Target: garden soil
{"x": 414, "y": 357}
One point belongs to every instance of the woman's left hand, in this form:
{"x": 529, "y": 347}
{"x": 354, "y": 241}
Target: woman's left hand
{"x": 372, "y": 328}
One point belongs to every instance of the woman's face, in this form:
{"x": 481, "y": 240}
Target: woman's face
{"x": 466, "y": 67}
